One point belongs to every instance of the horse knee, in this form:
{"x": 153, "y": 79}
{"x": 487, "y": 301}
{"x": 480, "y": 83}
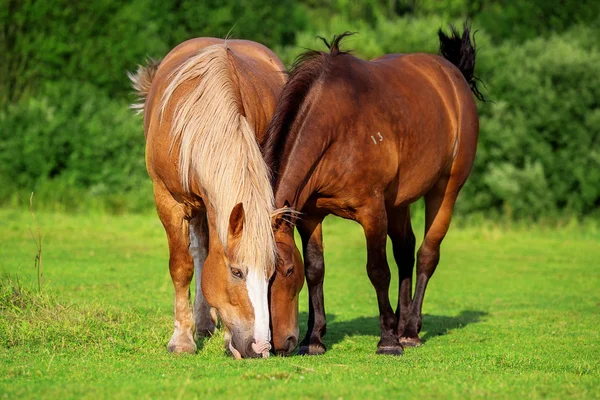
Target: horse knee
{"x": 314, "y": 266}
{"x": 314, "y": 275}
{"x": 181, "y": 268}
{"x": 378, "y": 274}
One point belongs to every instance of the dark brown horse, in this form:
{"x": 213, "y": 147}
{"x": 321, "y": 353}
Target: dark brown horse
{"x": 363, "y": 140}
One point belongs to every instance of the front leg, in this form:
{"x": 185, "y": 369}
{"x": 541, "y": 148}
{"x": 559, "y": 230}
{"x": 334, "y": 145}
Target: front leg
{"x": 314, "y": 267}
{"x": 181, "y": 267}
{"x": 374, "y": 223}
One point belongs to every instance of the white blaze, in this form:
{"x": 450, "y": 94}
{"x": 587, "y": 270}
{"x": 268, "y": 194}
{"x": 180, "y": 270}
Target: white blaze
{"x": 258, "y": 293}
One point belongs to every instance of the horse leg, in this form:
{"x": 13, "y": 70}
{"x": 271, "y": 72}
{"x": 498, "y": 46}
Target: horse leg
{"x": 403, "y": 243}
{"x": 314, "y": 268}
{"x": 439, "y": 204}
{"x": 205, "y": 325}
{"x": 181, "y": 267}
{"x": 374, "y": 223}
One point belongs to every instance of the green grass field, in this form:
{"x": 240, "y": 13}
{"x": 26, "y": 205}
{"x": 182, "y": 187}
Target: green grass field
{"x": 510, "y": 312}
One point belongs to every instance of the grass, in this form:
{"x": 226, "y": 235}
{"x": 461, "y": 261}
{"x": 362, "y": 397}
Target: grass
{"x": 510, "y": 312}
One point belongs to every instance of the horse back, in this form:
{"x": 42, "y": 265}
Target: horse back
{"x": 257, "y": 75}
{"x": 405, "y": 119}
{"x": 257, "y": 70}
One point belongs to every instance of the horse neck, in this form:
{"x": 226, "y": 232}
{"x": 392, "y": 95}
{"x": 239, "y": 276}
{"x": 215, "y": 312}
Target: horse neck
{"x": 297, "y": 178}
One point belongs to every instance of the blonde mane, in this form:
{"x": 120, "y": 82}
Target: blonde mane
{"x": 218, "y": 148}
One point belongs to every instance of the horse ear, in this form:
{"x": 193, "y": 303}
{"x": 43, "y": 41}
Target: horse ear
{"x": 236, "y": 225}
{"x": 286, "y": 218}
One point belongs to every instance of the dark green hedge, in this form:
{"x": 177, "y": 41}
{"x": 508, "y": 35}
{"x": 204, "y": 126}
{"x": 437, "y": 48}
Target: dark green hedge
{"x": 67, "y": 134}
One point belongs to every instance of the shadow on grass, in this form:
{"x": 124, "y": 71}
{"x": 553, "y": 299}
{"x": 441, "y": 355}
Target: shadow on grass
{"x": 433, "y": 325}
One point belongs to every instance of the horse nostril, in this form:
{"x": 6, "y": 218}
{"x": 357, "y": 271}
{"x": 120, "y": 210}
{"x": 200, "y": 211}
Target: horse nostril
{"x": 250, "y": 353}
{"x": 290, "y": 344}
{"x": 258, "y": 349}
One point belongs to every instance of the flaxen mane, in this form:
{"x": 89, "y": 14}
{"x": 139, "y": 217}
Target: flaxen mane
{"x": 306, "y": 71}
{"x": 218, "y": 148}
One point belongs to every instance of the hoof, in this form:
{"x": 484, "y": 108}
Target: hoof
{"x": 390, "y": 346}
{"x": 182, "y": 345}
{"x": 182, "y": 348}
{"x": 390, "y": 350}
{"x": 313, "y": 349}
{"x": 411, "y": 342}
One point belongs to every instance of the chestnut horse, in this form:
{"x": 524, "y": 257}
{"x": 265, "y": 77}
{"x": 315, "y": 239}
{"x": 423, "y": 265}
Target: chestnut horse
{"x": 363, "y": 140}
{"x": 203, "y": 106}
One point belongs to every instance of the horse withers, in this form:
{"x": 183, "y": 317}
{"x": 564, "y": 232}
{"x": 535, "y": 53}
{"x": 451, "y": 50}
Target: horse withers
{"x": 363, "y": 140}
{"x": 204, "y": 105}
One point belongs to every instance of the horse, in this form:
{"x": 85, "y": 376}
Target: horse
{"x": 204, "y": 106}
{"x": 363, "y": 140}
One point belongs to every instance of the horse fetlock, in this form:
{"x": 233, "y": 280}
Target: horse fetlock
{"x": 409, "y": 337}
{"x": 413, "y": 341}
{"x": 182, "y": 341}
{"x": 204, "y": 330}
{"x": 401, "y": 327}
{"x": 313, "y": 348}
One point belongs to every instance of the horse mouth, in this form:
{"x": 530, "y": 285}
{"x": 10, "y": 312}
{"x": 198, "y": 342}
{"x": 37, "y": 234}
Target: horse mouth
{"x": 258, "y": 349}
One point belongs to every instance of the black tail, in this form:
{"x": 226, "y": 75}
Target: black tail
{"x": 461, "y": 52}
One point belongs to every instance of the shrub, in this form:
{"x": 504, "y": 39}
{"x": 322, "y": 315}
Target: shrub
{"x": 539, "y": 148}
{"x": 72, "y": 138}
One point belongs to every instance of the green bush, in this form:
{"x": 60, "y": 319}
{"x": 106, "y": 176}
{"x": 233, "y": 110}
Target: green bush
{"x": 97, "y": 41}
{"x": 539, "y": 147}
{"x": 71, "y": 140}
{"x": 67, "y": 134}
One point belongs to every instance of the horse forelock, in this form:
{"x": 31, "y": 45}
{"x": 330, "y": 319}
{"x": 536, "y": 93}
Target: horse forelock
{"x": 219, "y": 151}
{"x": 306, "y": 71}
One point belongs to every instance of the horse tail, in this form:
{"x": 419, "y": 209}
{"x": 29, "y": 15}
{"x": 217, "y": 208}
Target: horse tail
{"x": 141, "y": 81}
{"x": 461, "y": 51}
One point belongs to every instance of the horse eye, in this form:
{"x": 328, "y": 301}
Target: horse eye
{"x": 289, "y": 271}
{"x": 237, "y": 273}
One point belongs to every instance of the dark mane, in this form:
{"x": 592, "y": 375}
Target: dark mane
{"x": 305, "y": 72}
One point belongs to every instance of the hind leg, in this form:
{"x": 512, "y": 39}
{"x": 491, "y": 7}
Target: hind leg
{"x": 403, "y": 243}
{"x": 439, "y": 204}
{"x": 205, "y": 325}
{"x": 314, "y": 268}
{"x": 181, "y": 266}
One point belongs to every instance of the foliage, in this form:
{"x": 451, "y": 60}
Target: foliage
{"x": 66, "y": 132}
{"x": 70, "y": 136}
{"x": 540, "y": 142}
{"x": 97, "y": 41}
